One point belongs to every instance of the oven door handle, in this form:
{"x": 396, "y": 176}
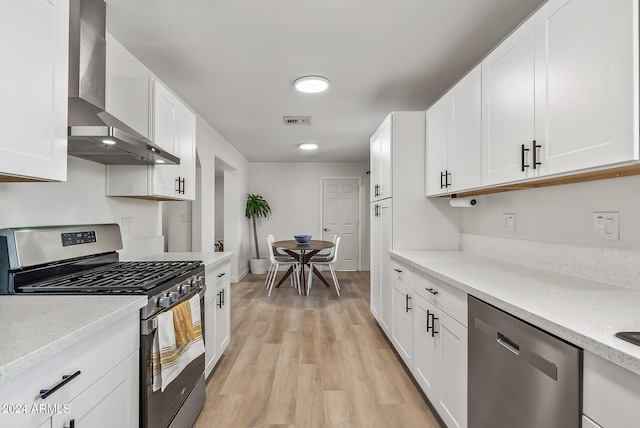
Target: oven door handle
{"x": 150, "y": 325}
{"x": 147, "y": 327}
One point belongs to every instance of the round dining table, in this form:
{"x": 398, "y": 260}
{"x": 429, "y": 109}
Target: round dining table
{"x": 303, "y": 253}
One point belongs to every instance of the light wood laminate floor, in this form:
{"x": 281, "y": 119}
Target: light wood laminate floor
{"x": 310, "y": 361}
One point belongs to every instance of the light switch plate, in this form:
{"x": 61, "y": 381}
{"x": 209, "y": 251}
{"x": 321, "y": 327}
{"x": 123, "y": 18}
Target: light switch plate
{"x": 606, "y": 225}
{"x": 509, "y": 223}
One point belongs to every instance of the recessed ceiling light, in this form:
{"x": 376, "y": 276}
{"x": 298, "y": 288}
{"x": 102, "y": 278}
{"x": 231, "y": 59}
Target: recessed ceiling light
{"x": 109, "y": 142}
{"x": 308, "y": 146}
{"x": 311, "y": 84}
{"x": 159, "y": 161}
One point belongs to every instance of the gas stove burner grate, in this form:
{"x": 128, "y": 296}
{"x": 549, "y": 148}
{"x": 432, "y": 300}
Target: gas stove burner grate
{"x": 122, "y": 277}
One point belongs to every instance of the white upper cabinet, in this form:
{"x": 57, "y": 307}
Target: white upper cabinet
{"x": 454, "y": 138}
{"x": 586, "y": 80}
{"x": 33, "y": 84}
{"x": 381, "y": 186}
{"x": 508, "y": 108}
{"x": 560, "y": 94}
{"x": 151, "y": 109}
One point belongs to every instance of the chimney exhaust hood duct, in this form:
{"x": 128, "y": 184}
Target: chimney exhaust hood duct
{"x": 94, "y": 134}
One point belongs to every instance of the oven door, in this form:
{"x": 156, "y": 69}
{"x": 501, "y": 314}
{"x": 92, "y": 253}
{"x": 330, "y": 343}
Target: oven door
{"x": 183, "y": 399}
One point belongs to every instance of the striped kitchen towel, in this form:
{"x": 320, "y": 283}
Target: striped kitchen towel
{"x": 177, "y": 342}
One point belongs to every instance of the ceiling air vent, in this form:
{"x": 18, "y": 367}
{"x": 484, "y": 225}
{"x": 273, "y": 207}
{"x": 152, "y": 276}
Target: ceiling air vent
{"x": 297, "y": 120}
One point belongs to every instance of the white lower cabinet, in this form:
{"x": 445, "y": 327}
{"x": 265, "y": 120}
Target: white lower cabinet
{"x": 611, "y": 394}
{"x": 217, "y": 314}
{"x": 109, "y": 402}
{"x": 101, "y": 390}
{"x": 381, "y": 228}
{"x": 440, "y": 361}
{"x": 429, "y": 332}
{"x": 402, "y": 320}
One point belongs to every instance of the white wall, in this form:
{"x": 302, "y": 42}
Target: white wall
{"x": 561, "y": 214}
{"x": 79, "y": 200}
{"x": 293, "y": 192}
{"x": 211, "y": 146}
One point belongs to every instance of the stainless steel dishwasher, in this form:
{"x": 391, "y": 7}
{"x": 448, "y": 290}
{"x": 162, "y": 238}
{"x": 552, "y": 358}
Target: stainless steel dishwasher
{"x": 520, "y": 376}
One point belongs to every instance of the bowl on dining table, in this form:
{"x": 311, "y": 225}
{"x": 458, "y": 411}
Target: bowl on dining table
{"x": 302, "y": 239}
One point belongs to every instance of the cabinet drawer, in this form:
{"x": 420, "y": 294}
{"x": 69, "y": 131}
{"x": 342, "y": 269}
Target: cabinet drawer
{"x": 401, "y": 271}
{"x": 611, "y": 394}
{"x": 93, "y": 357}
{"x": 449, "y": 299}
{"x": 217, "y": 275}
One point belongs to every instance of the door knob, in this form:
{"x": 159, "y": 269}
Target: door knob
{"x": 326, "y": 229}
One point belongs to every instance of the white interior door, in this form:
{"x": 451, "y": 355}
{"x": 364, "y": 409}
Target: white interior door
{"x": 341, "y": 217}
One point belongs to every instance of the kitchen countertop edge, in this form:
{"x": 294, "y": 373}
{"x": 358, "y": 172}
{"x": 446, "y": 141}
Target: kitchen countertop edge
{"x": 40, "y": 348}
{"x": 472, "y": 274}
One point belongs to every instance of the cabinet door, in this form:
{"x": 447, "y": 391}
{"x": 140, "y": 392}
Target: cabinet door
{"x": 223, "y": 318}
{"x": 186, "y": 145}
{"x": 425, "y": 348}
{"x": 33, "y": 83}
{"x": 210, "y": 349}
{"x": 586, "y": 83}
{"x": 438, "y": 128}
{"x": 165, "y": 116}
{"x": 452, "y": 403}
{"x": 508, "y": 107}
{"x": 385, "y": 245}
{"x": 385, "y": 190}
{"x": 374, "y": 167}
{"x": 402, "y": 320}
{"x": 374, "y": 279}
{"x": 110, "y": 402}
{"x": 464, "y": 157}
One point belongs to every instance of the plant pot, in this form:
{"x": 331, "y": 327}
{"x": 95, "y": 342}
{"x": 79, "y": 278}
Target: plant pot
{"x": 258, "y": 266}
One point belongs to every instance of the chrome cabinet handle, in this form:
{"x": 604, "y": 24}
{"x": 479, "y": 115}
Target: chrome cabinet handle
{"x": 72, "y": 424}
{"x": 407, "y": 308}
{"x": 220, "y": 275}
{"x": 44, "y": 393}
{"x": 432, "y": 291}
{"x": 398, "y": 270}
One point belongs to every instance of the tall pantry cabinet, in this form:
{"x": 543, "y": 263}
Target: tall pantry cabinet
{"x": 401, "y": 216}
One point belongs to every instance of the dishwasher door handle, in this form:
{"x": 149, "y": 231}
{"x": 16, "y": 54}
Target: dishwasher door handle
{"x": 508, "y": 343}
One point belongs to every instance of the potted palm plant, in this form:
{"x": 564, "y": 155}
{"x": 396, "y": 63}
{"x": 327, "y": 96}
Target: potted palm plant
{"x": 257, "y": 207}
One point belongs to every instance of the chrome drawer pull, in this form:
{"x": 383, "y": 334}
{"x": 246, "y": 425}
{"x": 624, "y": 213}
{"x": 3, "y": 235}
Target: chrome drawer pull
{"x": 220, "y": 275}
{"x": 398, "y": 270}
{"x": 432, "y": 291}
{"x": 44, "y": 393}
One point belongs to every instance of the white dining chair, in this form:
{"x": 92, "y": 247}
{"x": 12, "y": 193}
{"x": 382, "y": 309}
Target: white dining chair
{"x": 328, "y": 261}
{"x": 278, "y": 255}
{"x": 276, "y": 262}
{"x": 322, "y": 255}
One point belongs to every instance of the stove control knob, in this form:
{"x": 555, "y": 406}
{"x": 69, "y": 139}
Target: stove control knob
{"x": 185, "y": 288}
{"x": 197, "y": 281}
{"x": 174, "y": 295}
{"x": 164, "y": 302}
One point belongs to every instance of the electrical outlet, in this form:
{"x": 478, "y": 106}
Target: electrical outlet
{"x": 509, "y": 223}
{"x": 127, "y": 225}
{"x": 606, "y": 225}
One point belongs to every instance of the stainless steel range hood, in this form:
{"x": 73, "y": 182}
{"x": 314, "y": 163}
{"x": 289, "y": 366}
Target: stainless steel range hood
{"x": 94, "y": 134}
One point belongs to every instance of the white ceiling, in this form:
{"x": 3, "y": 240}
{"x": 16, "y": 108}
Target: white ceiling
{"x": 235, "y": 61}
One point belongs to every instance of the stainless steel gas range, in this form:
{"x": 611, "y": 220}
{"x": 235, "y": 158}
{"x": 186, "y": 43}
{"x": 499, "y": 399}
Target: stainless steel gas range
{"x": 82, "y": 259}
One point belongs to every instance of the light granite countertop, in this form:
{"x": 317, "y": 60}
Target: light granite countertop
{"x": 209, "y": 259}
{"x": 34, "y": 328}
{"x": 584, "y": 312}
